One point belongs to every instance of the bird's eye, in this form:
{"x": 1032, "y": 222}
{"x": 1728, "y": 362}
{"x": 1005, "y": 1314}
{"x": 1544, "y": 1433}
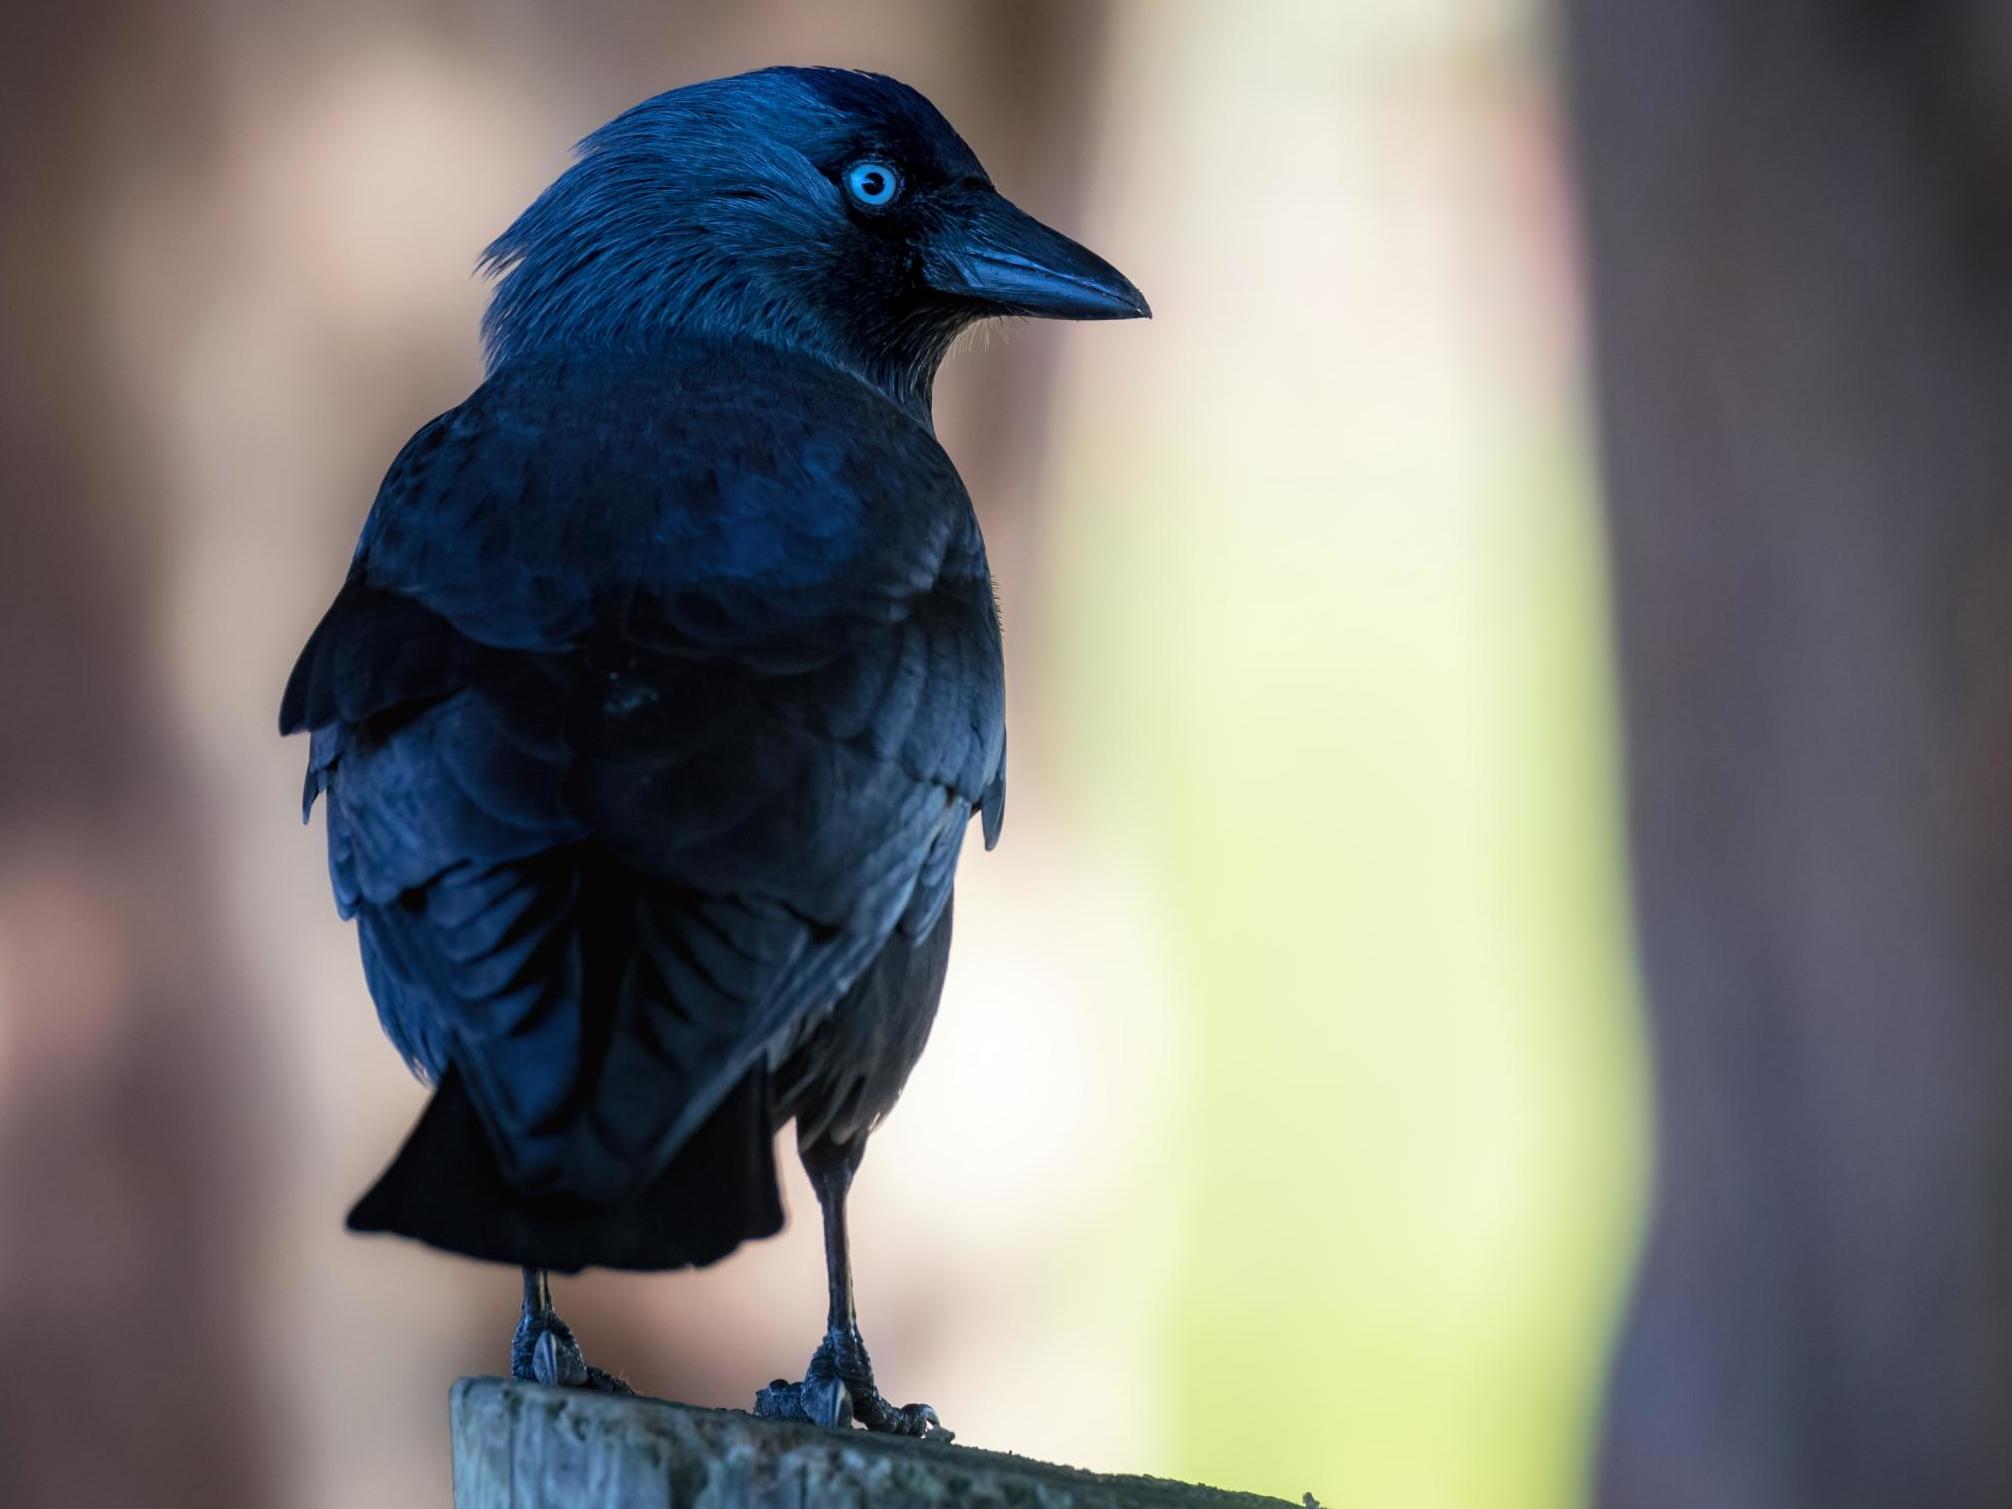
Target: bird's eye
{"x": 872, "y": 183}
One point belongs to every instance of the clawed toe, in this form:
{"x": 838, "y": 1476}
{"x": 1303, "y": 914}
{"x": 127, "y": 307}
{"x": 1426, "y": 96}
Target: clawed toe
{"x": 543, "y": 1349}
{"x": 821, "y": 1401}
{"x": 556, "y": 1361}
{"x": 917, "y": 1420}
{"x": 826, "y": 1402}
{"x": 838, "y": 1390}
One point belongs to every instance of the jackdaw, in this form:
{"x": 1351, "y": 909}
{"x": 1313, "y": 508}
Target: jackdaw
{"x": 664, "y": 681}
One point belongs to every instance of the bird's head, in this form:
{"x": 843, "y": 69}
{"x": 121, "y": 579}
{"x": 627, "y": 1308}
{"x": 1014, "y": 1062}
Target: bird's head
{"x": 832, "y": 212}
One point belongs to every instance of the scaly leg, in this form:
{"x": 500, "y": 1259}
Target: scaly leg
{"x": 838, "y": 1387}
{"x": 543, "y": 1349}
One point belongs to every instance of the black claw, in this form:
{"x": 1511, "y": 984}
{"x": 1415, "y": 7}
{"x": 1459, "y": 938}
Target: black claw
{"x": 827, "y": 1402}
{"x": 924, "y": 1424}
{"x": 917, "y": 1420}
{"x": 542, "y": 1349}
{"x": 837, "y": 1390}
{"x": 556, "y": 1360}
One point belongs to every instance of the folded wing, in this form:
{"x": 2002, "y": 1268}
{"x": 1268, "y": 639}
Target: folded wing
{"x": 657, "y": 698}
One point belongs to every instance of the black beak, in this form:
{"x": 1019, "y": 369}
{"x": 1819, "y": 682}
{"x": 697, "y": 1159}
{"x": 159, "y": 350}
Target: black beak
{"x": 998, "y": 255}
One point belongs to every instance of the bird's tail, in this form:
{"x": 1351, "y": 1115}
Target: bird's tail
{"x": 445, "y": 1189}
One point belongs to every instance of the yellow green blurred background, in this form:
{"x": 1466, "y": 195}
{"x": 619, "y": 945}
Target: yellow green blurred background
{"x": 1284, "y": 1127}
{"x": 1326, "y": 641}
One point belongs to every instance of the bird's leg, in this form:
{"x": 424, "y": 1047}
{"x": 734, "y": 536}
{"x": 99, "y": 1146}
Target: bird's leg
{"x": 838, "y": 1387}
{"x": 543, "y": 1349}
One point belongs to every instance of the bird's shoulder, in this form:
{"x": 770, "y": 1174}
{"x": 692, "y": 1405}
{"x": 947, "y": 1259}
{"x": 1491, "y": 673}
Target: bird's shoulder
{"x": 714, "y": 525}
{"x": 704, "y": 470}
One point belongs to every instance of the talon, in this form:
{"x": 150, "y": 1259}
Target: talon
{"x": 837, "y": 1392}
{"x": 542, "y": 1348}
{"x": 917, "y": 1420}
{"x": 826, "y": 1402}
{"x": 556, "y": 1364}
{"x": 920, "y": 1421}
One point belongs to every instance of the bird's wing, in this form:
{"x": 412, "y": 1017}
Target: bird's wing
{"x": 657, "y": 698}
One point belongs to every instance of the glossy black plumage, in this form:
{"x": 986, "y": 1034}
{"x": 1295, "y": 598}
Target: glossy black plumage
{"x": 656, "y": 701}
{"x": 664, "y": 683}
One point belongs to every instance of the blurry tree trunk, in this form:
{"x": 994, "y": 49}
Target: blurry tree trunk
{"x": 1799, "y": 218}
{"x": 123, "y": 1146}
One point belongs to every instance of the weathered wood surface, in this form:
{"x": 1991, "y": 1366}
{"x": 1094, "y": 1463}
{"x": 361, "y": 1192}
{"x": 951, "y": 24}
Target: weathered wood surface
{"x": 524, "y": 1446}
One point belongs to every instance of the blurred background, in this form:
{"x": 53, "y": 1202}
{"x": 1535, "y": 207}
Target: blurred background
{"x": 1288, "y": 1123}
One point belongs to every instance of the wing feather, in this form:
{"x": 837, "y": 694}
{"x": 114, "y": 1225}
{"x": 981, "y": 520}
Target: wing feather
{"x": 658, "y": 697}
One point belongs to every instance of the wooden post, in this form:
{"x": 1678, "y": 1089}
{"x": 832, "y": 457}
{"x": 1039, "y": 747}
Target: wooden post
{"x": 524, "y": 1446}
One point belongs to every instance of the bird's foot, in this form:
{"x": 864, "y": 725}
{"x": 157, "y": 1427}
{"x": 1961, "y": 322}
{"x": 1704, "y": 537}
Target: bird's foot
{"x": 544, "y": 1351}
{"x": 837, "y": 1390}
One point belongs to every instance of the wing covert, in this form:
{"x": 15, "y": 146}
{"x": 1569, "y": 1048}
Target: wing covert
{"x": 645, "y": 719}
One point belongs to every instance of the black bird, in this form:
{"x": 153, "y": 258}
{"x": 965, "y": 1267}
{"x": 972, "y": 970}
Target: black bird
{"x": 663, "y": 684}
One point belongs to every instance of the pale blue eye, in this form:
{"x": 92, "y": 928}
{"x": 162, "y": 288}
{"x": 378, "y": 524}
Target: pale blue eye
{"x": 872, "y": 183}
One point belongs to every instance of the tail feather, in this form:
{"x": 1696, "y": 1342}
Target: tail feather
{"x": 446, "y": 1189}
